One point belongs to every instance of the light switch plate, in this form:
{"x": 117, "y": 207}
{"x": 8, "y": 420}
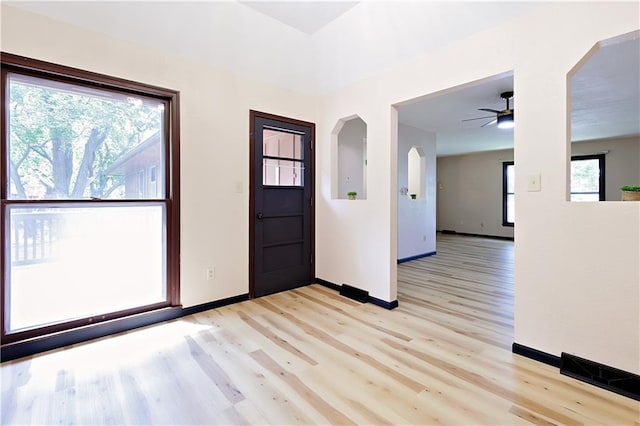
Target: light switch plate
{"x": 533, "y": 183}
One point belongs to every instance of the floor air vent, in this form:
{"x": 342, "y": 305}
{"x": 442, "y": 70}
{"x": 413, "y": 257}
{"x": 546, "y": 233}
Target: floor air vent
{"x": 354, "y": 293}
{"x": 618, "y": 381}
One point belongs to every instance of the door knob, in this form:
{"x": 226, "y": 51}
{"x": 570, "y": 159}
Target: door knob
{"x": 259, "y": 215}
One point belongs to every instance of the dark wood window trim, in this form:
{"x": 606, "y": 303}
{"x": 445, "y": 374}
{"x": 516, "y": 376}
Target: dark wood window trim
{"x": 601, "y": 165}
{"x": 505, "y": 193}
{"x": 114, "y": 321}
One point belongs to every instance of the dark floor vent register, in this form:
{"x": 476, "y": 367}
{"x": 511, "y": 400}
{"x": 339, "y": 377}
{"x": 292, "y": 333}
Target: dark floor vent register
{"x": 354, "y": 293}
{"x": 622, "y": 382}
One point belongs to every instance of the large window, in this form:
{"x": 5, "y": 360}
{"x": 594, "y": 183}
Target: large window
{"x": 508, "y": 194}
{"x": 587, "y": 178}
{"x": 88, "y": 235}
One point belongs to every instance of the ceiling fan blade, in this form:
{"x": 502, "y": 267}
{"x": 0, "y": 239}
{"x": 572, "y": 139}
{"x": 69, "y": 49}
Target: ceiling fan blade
{"x": 489, "y": 110}
{"x": 479, "y": 118}
{"x": 494, "y": 121}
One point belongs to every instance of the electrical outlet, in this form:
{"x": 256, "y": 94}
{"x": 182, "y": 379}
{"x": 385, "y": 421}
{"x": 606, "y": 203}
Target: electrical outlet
{"x": 211, "y": 274}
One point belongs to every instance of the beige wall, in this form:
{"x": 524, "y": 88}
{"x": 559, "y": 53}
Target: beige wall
{"x": 577, "y": 275}
{"x": 470, "y": 193}
{"x": 470, "y": 186}
{"x": 214, "y": 126}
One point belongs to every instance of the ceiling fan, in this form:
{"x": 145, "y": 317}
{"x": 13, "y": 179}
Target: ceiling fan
{"x": 503, "y": 118}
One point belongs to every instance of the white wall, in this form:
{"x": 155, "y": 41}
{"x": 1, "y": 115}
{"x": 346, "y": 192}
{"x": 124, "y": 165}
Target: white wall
{"x": 577, "y": 273}
{"x": 416, "y": 218}
{"x": 214, "y": 139}
{"x": 470, "y": 193}
{"x": 353, "y": 243}
{"x": 622, "y": 162}
{"x": 351, "y": 147}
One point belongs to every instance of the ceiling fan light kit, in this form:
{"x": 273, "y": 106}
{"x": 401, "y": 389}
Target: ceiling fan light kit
{"x": 505, "y": 121}
{"x": 503, "y": 118}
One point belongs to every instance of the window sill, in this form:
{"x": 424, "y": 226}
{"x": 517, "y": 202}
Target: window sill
{"x": 69, "y": 337}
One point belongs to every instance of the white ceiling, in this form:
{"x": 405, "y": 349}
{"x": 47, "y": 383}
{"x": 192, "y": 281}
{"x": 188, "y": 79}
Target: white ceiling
{"x": 305, "y": 16}
{"x": 605, "y": 92}
{"x": 442, "y": 113}
{"x": 319, "y": 46}
{"x": 605, "y": 103}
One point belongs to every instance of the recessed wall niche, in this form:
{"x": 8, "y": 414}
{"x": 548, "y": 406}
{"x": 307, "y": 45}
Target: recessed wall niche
{"x": 416, "y": 168}
{"x": 604, "y": 136}
{"x": 349, "y": 163}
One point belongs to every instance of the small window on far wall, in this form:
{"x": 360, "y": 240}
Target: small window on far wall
{"x": 587, "y": 178}
{"x": 508, "y": 193}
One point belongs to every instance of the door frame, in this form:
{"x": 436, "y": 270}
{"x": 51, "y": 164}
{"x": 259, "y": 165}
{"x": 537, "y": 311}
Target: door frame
{"x": 252, "y": 202}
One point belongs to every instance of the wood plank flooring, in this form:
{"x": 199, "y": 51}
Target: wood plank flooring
{"x": 309, "y": 356}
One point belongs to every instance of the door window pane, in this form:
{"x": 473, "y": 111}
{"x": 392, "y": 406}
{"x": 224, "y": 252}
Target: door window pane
{"x": 281, "y": 144}
{"x": 282, "y": 172}
{"x": 72, "y": 142}
{"x": 74, "y": 262}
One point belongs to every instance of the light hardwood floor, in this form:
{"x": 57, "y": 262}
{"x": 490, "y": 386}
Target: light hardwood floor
{"x": 309, "y": 356}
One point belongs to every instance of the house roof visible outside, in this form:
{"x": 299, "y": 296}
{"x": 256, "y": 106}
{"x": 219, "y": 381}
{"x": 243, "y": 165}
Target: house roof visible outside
{"x": 147, "y": 150}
